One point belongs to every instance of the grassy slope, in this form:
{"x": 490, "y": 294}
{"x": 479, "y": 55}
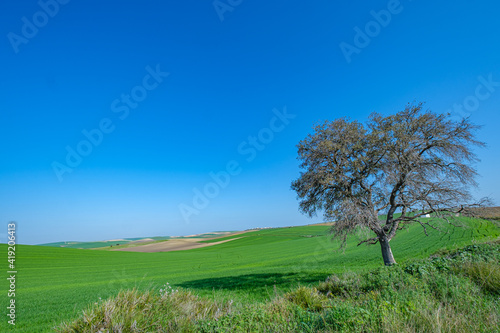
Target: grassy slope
{"x": 85, "y": 245}
{"x": 454, "y": 292}
{"x": 55, "y": 284}
{"x": 100, "y": 244}
{"x": 129, "y": 245}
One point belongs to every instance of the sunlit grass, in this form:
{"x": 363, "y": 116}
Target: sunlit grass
{"x": 56, "y": 284}
{"x": 432, "y": 295}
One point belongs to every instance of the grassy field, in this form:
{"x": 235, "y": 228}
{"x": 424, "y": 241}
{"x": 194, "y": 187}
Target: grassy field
{"x": 100, "y": 244}
{"x": 133, "y": 242}
{"x": 451, "y": 291}
{"x": 56, "y": 284}
{"x": 86, "y": 245}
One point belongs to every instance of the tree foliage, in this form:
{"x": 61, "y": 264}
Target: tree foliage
{"x": 405, "y": 165}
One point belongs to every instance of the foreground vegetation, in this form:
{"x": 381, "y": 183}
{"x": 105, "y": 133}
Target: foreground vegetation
{"x": 454, "y": 292}
{"x": 57, "y": 284}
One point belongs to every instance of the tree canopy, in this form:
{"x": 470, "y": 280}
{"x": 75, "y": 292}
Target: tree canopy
{"x": 405, "y": 165}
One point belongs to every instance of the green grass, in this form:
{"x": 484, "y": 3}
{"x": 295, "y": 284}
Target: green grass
{"x": 129, "y": 242}
{"x": 129, "y": 245}
{"x": 455, "y": 292}
{"x": 102, "y": 244}
{"x": 86, "y": 245}
{"x": 55, "y": 284}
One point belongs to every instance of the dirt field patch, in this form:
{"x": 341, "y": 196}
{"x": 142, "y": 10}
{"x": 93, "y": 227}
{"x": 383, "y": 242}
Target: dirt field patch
{"x": 174, "y": 245}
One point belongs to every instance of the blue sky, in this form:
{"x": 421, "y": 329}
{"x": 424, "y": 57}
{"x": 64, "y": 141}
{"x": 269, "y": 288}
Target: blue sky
{"x": 172, "y": 94}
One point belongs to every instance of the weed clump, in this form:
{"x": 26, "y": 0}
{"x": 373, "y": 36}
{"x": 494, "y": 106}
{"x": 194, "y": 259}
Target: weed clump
{"x": 307, "y": 298}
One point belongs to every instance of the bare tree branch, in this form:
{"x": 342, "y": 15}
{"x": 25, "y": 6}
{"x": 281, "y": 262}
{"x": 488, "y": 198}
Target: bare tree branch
{"x": 373, "y": 240}
{"x": 423, "y": 224}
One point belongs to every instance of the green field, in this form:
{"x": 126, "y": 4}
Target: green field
{"x": 100, "y": 244}
{"x": 56, "y": 284}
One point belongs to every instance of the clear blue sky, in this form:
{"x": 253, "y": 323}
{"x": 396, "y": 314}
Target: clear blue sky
{"x": 85, "y": 65}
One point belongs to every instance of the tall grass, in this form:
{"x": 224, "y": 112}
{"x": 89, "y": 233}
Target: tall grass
{"x": 454, "y": 291}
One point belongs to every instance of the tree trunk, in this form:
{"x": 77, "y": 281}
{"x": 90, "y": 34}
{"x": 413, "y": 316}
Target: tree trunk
{"x": 386, "y": 251}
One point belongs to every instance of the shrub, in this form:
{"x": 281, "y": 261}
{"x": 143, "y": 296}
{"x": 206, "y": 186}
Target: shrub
{"x": 307, "y": 298}
{"x": 456, "y": 292}
{"x": 485, "y": 274}
{"x": 345, "y": 285}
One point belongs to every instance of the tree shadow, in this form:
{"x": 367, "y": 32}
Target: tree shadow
{"x": 250, "y": 282}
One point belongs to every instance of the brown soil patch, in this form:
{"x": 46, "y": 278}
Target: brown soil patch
{"x": 323, "y": 223}
{"x": 488, "y": 212}
{"x": 173, "y": 245}
{"x": 144, "y": 240}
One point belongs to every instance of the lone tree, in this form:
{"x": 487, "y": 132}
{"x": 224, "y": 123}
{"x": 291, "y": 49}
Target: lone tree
{"x": 405, "y": 165}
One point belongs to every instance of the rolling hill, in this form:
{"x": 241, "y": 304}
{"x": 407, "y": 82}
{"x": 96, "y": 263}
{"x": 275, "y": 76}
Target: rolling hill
{"x": 56, "y": 284}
